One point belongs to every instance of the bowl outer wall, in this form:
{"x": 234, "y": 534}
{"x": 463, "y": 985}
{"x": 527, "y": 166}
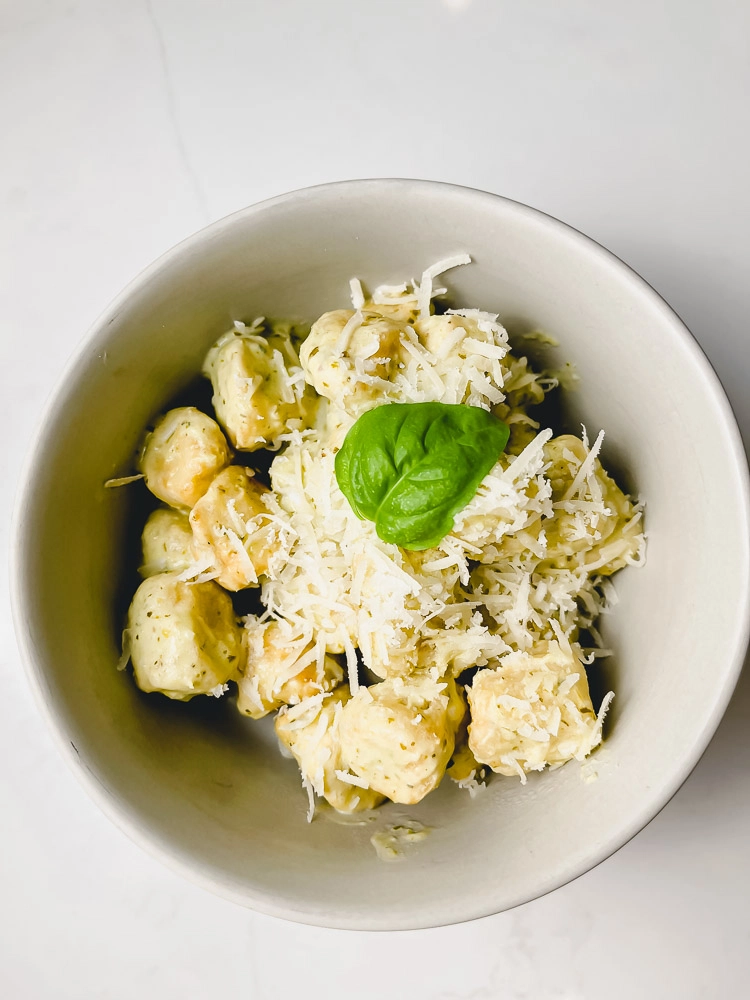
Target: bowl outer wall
{"x": 172, "y": 776}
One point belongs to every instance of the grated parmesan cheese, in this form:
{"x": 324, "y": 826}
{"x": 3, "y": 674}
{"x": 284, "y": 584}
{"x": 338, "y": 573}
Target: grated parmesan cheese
{"x": 358, "y": 296}
{"x": 306, "y": 784}
{"x": 351, "y": 779}
{"x": 472, "y": 784}
{"x": 122, "y": 481}
{"x": 425, "y": 290}
{"x": 199, "y": 571}
{"x": 125, "y": 655}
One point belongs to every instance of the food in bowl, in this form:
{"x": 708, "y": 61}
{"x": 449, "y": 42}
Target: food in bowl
{"x": 431, "y": 561}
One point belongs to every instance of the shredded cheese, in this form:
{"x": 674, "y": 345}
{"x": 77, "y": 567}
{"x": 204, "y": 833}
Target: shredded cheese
{"x": 122, "y": 481}
{"x": 426, "y": 291}
{"x": 351, "y": 779}
{"x": 358, "y": 296}
{"x": 125, "y": 655}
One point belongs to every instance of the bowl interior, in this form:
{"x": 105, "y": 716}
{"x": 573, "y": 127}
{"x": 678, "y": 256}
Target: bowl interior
{"x": 207, "y": 789}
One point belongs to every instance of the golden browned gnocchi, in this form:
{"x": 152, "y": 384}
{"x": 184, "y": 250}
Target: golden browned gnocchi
{"x": 184, "y": 639}
{"x": 233, "y": 530}
{"x": 281, "y": 667}
{"x": 182, "y": 455}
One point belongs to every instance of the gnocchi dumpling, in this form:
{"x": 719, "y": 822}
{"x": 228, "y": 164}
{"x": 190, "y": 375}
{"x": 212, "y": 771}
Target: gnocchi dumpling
{"x": 281, "y": 667}
{"x": 443, "y": 335}
{"x": 402, "y": 310}
{"x": 310, "y": 731}
{"x": 167, "y": 542}
{"x": 256, "y": 396}
{"x": 233, "y": 530}
{"x": 531, "y": 711}
{"x": 504, "y": 517}
{"x": 399, "y": 735}
{"x": 347, "y": 356}
{"x": 184, "y": 639}
{"x": 523, "y": 387}
{"x": 183, "y": 453}
{"x": 594, "y": 524}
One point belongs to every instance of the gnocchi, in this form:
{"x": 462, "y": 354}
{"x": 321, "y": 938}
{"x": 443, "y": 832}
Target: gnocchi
{"x": 181, "y": 456}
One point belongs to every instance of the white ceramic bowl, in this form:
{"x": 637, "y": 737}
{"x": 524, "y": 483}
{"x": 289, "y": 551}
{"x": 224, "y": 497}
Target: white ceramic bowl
{"x": 206, "y": 790}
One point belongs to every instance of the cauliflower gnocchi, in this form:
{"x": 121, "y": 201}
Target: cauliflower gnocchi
{"x": 431, "y": 561}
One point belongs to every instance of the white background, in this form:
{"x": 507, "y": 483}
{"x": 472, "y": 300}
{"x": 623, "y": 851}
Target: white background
{"x": 126, "y": 125}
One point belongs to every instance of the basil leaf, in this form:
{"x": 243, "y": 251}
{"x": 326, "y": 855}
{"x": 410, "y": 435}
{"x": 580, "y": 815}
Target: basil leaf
{"x": 411, "y": 467}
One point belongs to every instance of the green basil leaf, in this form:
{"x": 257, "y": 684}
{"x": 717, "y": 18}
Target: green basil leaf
{"x": 411, "y": 467}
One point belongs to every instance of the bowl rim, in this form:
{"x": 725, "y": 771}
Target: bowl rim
{"x": 127, "y": 819}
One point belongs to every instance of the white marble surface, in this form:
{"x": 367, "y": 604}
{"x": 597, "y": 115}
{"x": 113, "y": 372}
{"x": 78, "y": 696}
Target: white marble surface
{"x": 126, "y": 125}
